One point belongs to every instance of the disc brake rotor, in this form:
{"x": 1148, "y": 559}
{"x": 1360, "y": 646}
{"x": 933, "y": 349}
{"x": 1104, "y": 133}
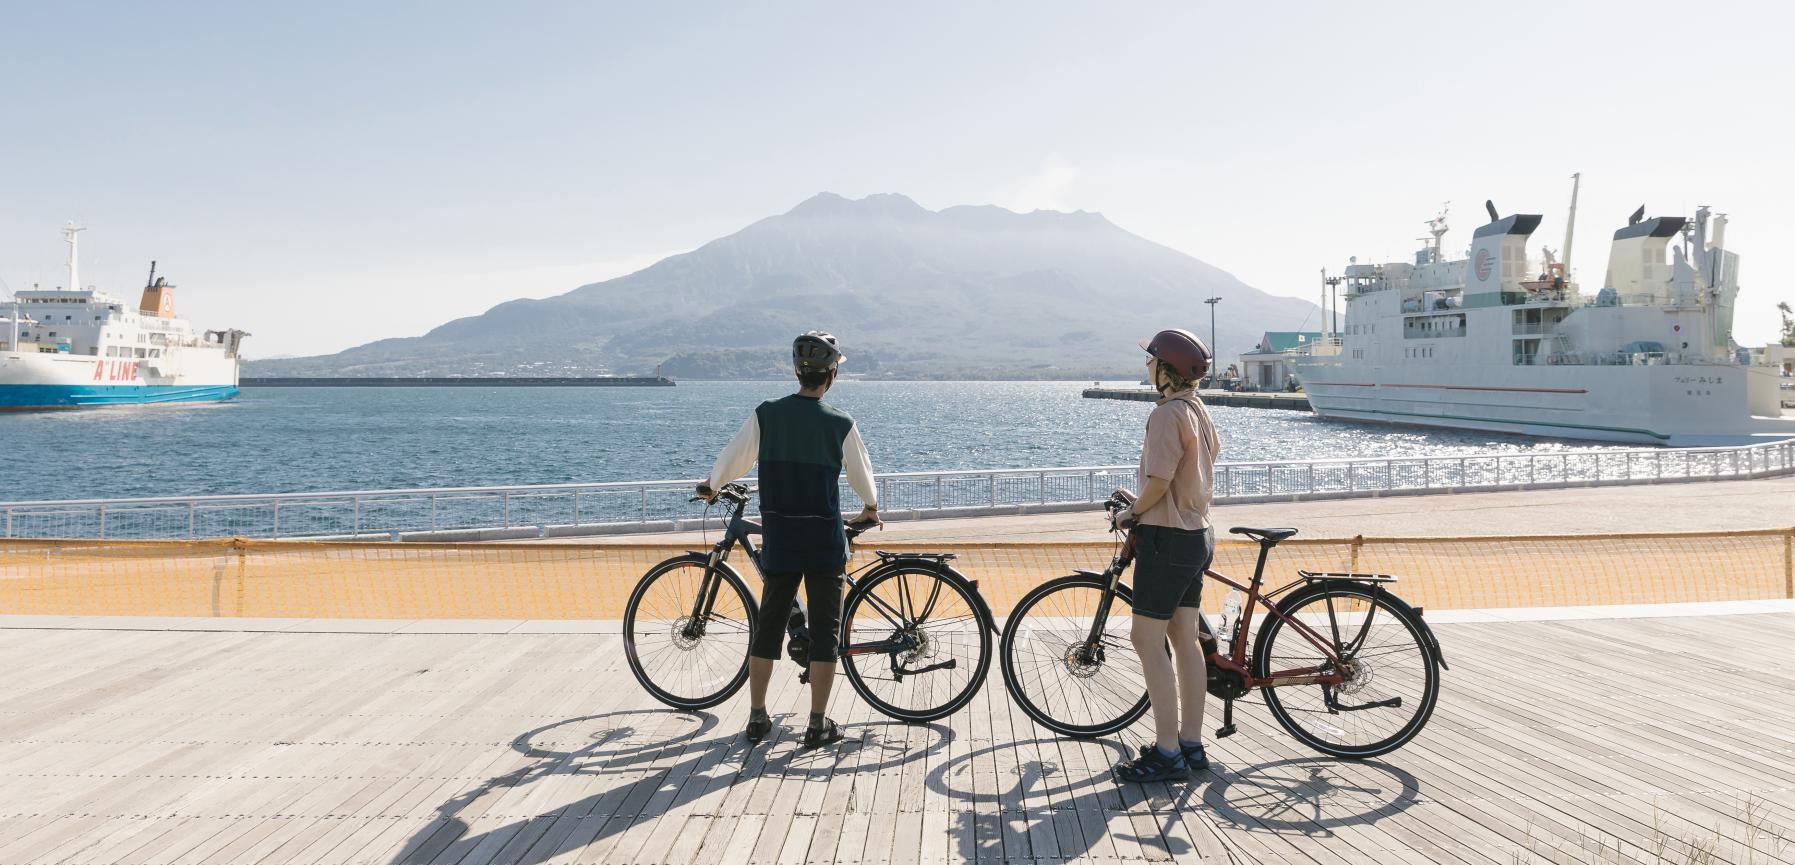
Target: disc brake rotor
{"x": 1083, "y": 661}
{"x": 1359, "y": 675}
{"x": 683, "y": 636}
{"x": 923, "y": 648}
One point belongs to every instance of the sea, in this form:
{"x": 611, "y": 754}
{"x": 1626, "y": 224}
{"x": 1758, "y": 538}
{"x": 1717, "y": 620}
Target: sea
{"x": 335, "y": 439}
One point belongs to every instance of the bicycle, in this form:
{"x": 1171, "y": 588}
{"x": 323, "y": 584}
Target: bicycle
{"x": 910, "y": 627}
{"x": 1356, "y": 655}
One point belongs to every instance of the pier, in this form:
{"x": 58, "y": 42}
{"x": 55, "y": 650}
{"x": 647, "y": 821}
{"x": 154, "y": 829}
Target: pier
{"x": 1247, "y": 399}
{"x": 353, "y": 741}
{"x": 233, "y": 700}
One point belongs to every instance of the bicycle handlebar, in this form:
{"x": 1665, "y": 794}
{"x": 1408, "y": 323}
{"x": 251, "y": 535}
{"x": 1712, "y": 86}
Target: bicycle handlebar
{"x": 737, "y": 493}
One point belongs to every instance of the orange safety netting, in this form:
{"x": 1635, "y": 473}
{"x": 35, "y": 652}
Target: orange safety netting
{"x": 305, "y": 579}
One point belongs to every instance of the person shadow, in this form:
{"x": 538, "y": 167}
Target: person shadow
{"x": 1037, "y": 812}
{"x": 626, "y": 744}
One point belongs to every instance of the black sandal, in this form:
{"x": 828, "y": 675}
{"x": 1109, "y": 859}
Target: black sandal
{"x": 825, "y": 734}
{"x": 758, "y": 728}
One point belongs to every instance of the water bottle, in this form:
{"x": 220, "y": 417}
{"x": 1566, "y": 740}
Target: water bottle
{"x": 1230, "y": 615}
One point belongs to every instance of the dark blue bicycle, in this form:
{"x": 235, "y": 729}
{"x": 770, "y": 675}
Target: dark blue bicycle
{"x": 915, "y": 641}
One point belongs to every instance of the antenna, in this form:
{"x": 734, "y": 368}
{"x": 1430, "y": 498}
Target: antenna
{"x": 1570, "y": 222}
{"x": 1437, "y": 227}
{"x": 152, "y": 280}
{"x": 68, "y": 232}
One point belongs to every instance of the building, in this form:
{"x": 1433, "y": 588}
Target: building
{"x": 1267, "y": 366}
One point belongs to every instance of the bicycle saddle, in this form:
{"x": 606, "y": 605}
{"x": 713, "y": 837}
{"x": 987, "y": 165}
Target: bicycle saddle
{"x": 1264, "y": 536}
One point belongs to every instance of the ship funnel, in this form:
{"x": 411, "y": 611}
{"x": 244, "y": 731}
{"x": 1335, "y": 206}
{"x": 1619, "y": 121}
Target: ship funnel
{"x": 158, "y": 296}
{"x": 1490, "y": 206}
{"x": 1499, "y": 254}
{"x": 1637, "y": 270}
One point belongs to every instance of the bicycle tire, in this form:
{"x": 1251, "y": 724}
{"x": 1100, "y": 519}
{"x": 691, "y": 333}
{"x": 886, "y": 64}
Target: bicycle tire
{"x": 727, "y": 680}
{"x": 1397, "y": 679}
{"x": 1072, "y": 631}
{"x": 971, "y": 626}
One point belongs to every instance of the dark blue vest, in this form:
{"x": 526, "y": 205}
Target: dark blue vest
{"x": 800, "y": 484}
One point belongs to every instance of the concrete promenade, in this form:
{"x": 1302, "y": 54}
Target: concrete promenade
{"x": 207, "y": 741}
{"x": 1700, "y": 506}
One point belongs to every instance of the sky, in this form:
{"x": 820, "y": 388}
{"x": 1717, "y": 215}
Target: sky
{"x": 324, "y": 174}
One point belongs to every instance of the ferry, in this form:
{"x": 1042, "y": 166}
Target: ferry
{"x": 80, "y": 347}
{"x": 1501, "y": 342}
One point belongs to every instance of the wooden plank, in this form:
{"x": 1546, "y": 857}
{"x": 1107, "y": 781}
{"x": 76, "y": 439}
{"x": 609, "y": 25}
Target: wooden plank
{"x": 202, "y": 747}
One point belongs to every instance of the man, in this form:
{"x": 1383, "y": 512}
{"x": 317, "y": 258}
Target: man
{"x": 1173, "y": 544}
{"x": 802, "y": 446}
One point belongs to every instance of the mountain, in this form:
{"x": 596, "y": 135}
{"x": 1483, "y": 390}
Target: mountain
{"x": 969, "y": 291}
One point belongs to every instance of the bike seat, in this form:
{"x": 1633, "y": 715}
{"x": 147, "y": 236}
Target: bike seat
{"x": 1264, "y": 536}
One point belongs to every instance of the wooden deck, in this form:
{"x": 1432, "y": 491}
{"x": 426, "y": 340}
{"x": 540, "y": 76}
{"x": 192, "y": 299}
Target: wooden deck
{"x": 1604, "y": 740}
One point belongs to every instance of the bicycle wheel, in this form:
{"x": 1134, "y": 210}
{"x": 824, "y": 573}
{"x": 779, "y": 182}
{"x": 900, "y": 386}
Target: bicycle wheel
{"x": 1050, "y": 673}
{"x": 1395, "y": 670}
{"x": 686, "y": 662}
{"x": 916, "y": 642}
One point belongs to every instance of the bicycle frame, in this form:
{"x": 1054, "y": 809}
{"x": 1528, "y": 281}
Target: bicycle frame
{"x": 741, "y": 531}
{"x": 1236, "y": 659}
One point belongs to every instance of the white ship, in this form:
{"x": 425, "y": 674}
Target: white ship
{"x": 81, "y": 347}
{"x": 1504, "y": 343}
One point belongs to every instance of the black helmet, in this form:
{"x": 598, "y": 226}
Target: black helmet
{"x": 815, "y": 351}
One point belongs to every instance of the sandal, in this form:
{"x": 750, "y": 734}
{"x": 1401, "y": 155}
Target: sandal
{"x": 758, "y": 728}
{"x": 1194, "y": 757}
{"x": 825, "y": 734}
{"x": 1153, "y": 765}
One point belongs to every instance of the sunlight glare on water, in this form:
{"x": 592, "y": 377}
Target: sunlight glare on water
{"x": 316, "y": 439}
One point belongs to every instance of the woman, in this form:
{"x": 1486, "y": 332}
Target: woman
{"x": 1173, "y": 543}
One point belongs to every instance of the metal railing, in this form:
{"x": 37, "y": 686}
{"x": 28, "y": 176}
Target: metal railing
{"x": 566, "y": 509}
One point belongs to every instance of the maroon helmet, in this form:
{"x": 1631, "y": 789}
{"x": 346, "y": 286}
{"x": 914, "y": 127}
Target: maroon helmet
{"x": 1181, "y": 351}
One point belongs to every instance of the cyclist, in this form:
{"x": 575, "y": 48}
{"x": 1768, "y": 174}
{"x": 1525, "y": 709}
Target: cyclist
{"x": 1174, "y": 543}
{"x": 802, "y": 446}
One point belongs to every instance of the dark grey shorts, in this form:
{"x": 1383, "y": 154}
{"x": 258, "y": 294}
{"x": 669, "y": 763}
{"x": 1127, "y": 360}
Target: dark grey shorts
{"x": 1168, "y": 568}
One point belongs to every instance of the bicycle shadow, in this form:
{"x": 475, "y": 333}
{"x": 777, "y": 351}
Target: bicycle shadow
{"x": 625, "y": 743}
{"x": 1310, "y": 796}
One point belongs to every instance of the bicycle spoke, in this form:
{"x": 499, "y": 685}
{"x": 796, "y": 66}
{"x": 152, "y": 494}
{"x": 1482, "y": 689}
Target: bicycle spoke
{"x": 1057, "y": 676}
{"x": 952, "y": 631}
{"x": 688, "y": 662}
{"x": 1386, "y": 661}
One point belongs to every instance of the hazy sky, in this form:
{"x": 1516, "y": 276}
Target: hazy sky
{"x": 324, "y": 174}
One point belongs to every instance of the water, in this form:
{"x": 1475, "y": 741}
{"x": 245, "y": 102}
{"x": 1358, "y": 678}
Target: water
{"x": 319, "y": 439}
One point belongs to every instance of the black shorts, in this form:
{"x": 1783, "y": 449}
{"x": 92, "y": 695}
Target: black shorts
{"x": 823, "y": 604}
{"x": 1168, "y": 568}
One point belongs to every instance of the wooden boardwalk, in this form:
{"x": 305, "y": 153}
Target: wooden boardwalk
{"x": 1602, "y": 740}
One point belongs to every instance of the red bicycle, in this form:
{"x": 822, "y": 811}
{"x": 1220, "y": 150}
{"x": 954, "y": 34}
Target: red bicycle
{"x": 1346, "y": 667}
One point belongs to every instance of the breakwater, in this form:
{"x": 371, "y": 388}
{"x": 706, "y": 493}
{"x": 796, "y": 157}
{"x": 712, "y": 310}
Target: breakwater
{"x": 1294, "y": 401}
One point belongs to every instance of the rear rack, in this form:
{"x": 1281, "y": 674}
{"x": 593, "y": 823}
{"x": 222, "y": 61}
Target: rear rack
{"x": 1341, "y": 575}
{"x": 887, "y": 555}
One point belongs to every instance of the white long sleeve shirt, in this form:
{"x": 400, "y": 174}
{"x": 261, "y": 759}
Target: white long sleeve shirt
{"x": 739, "y": 455}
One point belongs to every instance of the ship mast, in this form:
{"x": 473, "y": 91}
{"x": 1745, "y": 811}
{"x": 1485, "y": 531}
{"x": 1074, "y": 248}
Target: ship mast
{"x": 69, "y": 231}
{"x": 1570, "y": 223}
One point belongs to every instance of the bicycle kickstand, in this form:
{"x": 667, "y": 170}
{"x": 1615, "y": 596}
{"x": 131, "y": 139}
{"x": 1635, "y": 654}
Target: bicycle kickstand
{"x": 1227, "y": 729}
